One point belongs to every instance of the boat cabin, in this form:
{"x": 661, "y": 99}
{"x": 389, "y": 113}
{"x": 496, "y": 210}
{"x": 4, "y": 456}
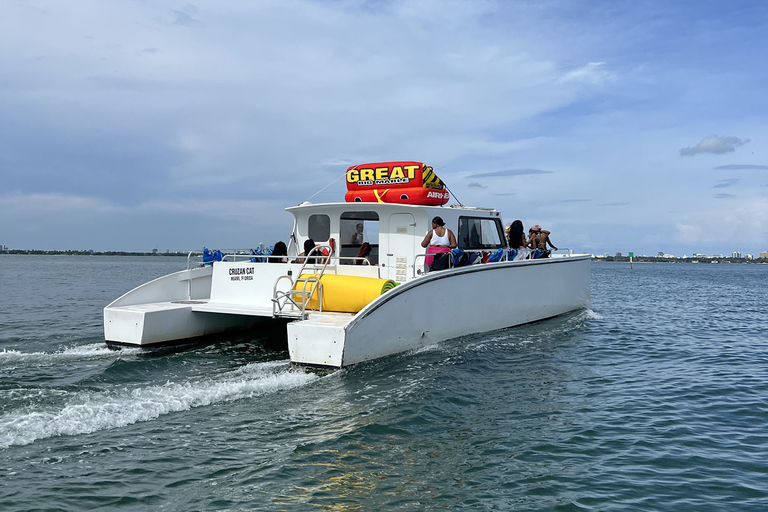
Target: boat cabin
{"x": 394, "y": 232}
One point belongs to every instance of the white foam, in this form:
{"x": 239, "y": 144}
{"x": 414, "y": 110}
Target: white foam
{"x": 92, "y": 351}
{"x": 593, "y": 315}
{"x": 91, "y": 412}
{"x": 432, "y": 347}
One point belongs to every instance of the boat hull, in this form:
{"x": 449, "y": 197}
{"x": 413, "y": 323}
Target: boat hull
{"x": 421, "y": 312}
{"x": 445, "y": 305}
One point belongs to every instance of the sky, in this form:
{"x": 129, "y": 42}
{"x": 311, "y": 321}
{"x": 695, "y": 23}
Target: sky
{"x": 622, "y": 125}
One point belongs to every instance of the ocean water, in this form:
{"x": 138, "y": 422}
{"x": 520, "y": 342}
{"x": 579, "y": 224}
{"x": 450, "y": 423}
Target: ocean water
{"x": 654, "y": 398}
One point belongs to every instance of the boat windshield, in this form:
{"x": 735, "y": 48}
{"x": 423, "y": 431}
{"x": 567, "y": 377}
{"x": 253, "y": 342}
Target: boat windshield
{"x": 480, "y": 233}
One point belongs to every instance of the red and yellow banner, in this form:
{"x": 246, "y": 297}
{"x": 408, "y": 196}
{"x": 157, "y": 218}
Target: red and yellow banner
{"x": 395, "y": 182}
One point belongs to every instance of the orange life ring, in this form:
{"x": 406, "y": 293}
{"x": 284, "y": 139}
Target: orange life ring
{"x": 324, "y": 251}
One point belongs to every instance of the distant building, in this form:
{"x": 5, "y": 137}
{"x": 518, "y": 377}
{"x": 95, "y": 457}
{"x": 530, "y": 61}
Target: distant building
{"x": 764, "y": 255}
{"x": 736, "y": 254}
{"x": 618, "y": 255}
{"x": 748, "y": 257}
{"x": 3, "y": 248}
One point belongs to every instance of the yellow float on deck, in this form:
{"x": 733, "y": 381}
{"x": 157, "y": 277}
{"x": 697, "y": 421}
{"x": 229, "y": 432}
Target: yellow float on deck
{"x": 345, "y": 294}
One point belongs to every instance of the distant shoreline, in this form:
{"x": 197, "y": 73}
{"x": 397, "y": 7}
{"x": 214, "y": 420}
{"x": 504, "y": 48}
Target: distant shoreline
{"x": 610, "y": 259}
{"x": 703, "y": 261}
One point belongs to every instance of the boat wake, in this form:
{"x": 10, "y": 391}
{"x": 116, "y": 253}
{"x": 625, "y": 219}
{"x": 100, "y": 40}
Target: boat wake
{"x": 593, "y": 315}
{"x": 89, "y": 412}
{"x": 92, "y": 351}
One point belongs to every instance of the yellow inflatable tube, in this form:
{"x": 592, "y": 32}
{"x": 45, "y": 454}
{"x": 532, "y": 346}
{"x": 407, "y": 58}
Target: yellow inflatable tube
{"x": 347, "y": 294}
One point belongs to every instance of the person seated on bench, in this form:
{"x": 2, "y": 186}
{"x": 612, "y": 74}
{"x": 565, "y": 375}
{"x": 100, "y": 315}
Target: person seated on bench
{"x": 365, "y": 252}
{"x": 517, "y": 241}
{"x": 538, "y": 239}
{"x": 309, "y": 244}
{"x": 279, "y": 253}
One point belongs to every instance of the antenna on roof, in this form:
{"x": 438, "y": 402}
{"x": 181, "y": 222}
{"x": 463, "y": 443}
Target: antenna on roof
{"x": 325, "y": 187}
{"x": 451, "y": 192}
{"x": 454, "y": 195}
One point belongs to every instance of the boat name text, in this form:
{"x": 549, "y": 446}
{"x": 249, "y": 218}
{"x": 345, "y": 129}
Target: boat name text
{"x": 241, "y": 273}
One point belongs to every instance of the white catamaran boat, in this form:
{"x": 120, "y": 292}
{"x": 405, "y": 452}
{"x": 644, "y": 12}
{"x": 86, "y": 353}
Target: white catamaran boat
{"x": 342, "y": 306}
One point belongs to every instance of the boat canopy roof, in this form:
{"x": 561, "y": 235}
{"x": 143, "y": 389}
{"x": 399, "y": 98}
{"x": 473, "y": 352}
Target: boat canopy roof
{"x": 391, "y": 208}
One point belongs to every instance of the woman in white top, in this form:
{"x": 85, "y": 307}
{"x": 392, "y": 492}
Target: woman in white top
{"x": 439, "y": 239}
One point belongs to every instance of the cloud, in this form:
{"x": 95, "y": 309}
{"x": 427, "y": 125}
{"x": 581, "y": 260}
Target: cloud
{"x": 18, "y": 204}
{"x": 726, "y": 183}
{"x": 337, "y": 162}
{"x": 127, "y": 113}
{"x": 737, "y": 167}
{"x": 714, "y": 144}
{"x": 724, "y": 196}
{"x": 66, "y": 221}
{"x": 184, "y": 17}
{"x": 713, "y": 226}
{"x": 593, "y": 74}
{"x": 689, "y": 233}
{"x": 509, "y": 172}
{"x": 575, "y": 200}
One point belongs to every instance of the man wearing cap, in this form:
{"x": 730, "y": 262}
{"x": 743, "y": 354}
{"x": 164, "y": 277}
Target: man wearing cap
{"x": 539, "y": 238}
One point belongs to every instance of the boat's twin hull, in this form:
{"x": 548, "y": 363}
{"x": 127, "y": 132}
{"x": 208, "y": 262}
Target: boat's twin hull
{"x": 421, "y": 312}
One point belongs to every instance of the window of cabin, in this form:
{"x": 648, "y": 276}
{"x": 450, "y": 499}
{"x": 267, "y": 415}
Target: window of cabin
{"x": 480, "y": 233}
{"x": 357, "y": 228}
{"x": 319, "y": 228}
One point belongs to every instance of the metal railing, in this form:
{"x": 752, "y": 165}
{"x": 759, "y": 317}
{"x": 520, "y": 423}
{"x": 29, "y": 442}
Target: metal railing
{"x": 194, "y": 258}
{"x": 315, "y": 262}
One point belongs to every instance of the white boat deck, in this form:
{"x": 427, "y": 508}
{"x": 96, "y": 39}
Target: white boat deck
{"x": 314, "y": 318}
{"x": 327, "y": 319}
{"x": 230, "y": 308}
{"x": 152, "y": 307}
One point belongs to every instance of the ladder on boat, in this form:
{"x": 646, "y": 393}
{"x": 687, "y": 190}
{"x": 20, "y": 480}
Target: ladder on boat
{"x": 293, "y": 302}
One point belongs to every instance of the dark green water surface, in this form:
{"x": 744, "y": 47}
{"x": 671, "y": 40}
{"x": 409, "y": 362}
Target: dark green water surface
{"x": 655, "y": 398}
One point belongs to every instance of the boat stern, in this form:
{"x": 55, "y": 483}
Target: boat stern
{"x": 319, "y": 340}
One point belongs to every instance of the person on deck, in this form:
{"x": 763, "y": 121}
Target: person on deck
{"x": 516, "y": 237}
{"x": 365, "y": 252}
{"x": 309, "y": 244}
{"x": 439, "y": 240}
{"x": 538, "y": 239}
{"x": 279, "y": 253}
{"x": 357, "y": 236}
